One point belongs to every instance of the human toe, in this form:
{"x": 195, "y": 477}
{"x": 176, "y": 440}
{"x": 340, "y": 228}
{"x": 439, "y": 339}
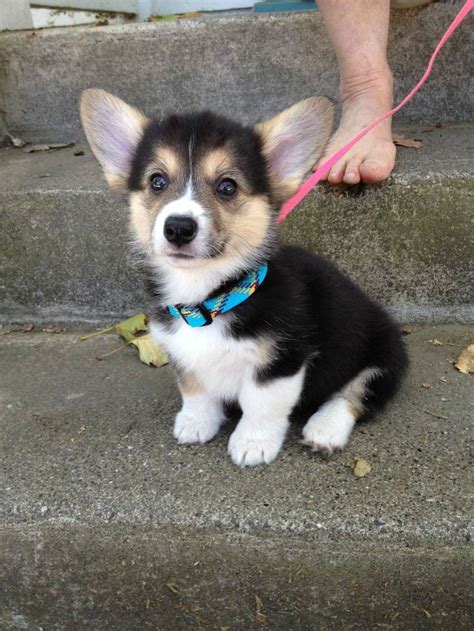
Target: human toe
{"x": 352, "y": 174}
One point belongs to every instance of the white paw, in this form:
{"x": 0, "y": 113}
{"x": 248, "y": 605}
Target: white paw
{"x": 189, "y": 428}
{"x": 248, "y": 448}
{"x": 330, "y": 427}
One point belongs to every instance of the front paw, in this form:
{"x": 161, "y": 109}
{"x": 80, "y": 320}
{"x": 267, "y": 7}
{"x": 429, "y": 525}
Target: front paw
{"x": 189, "y": 428}
{"x": 248, "y": 447}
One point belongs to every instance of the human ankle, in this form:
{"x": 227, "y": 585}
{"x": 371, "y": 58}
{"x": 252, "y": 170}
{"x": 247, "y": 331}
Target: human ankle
{"x": 374, "y": 83}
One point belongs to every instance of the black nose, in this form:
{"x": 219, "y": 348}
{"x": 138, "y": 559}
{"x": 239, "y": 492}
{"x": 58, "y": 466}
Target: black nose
{"x": 180, "y": 230}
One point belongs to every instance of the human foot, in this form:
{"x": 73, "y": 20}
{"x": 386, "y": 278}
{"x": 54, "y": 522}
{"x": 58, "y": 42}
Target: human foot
{"x": 372, "y": 159}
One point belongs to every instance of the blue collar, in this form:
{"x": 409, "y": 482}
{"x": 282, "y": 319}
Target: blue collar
{"x": 205, "y": 312}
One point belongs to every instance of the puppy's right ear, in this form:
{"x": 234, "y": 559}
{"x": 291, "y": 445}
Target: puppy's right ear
{"x": 113, "y": 130}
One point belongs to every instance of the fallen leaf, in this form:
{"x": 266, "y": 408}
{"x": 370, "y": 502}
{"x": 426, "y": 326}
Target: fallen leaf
{"x": 465, "y": 361}
{"x": 435, "y": 342}
{"x": 131, "y": 326}
{"x": 158, "y": 18}
{"x": 48, "y": 147}
{"x": 411, "y": 143}
{"x": 441, "y": 416}
{"x": 14, "y": 141}
{"x": 361, "y": 467}
{"x": 427, "y": 386}
{"x": 150, "y": 353}
{"x": 443, "y": 379}
{"x": 190, "y": 14}
{"x": 96, "y": 333}
{"x": 259, "y": 615}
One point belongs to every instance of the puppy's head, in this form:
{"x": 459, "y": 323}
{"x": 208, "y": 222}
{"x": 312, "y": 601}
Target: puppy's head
{"x": 204, "y": 191}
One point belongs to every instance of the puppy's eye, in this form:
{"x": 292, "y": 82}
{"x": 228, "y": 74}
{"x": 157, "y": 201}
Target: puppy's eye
{"x": 227, "y": 188}
{"x": 158, "y": 182}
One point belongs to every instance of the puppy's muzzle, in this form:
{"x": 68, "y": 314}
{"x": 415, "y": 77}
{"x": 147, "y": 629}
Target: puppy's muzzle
{"x": 180, "y": 230}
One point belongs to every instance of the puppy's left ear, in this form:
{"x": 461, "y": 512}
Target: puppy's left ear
{"x": 113, "y": 130}
{"x": 294, "y": 140}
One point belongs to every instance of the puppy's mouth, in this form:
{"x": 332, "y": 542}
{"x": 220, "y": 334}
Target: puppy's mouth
{"x": 180, "y": 255}
{"x": 194, "y": 252}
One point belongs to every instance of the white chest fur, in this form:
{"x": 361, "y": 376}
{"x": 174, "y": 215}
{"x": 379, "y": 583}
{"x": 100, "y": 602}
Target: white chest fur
{"x": 219, "y": 362}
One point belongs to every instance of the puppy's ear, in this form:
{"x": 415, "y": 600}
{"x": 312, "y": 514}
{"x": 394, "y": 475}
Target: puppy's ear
{"x": 294, "y": 140}
{"x": 113, "y": 130}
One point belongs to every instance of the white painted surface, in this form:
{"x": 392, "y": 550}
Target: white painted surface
{"x": 122, "y": 6}
{"x": 48, "y": 18}
{"x": 144, "y": 8}
{"x": 14, "y": 15}
{"x": 166, "y": 7}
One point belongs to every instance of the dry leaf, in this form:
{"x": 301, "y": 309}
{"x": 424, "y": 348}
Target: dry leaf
{"x": 48, "y": 147}
{"x": 129, "y": 327}
{"x": 173, "y": 588}
{"x": 259, "y": 615}
{"x": 189, "y": 14}
{"x": 411, "y": 143}
{"x": 150, "y": 353}
{"x": 465, "y": 362}
{"x": 435, "y": 342}
{"x": 436, "y": 415}
{"x": 427, "y": 386}
{"x": 361, "y": 467}
{"x": 13, "y": 141}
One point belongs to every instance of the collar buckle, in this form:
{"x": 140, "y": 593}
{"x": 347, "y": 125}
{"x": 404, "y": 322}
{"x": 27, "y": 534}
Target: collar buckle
{"x": 204, "y": 312}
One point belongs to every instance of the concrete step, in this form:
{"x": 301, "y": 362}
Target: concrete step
{"x": 106, "y": 523}
{"x": 247, "y": 65}
{"x": 63, "y": 251}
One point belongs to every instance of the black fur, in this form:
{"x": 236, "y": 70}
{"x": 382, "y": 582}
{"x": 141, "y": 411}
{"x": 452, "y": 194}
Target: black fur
{"x": 201, "y": 132}
{"x": 314, "y": 312}
{"x": 319, "y": 316}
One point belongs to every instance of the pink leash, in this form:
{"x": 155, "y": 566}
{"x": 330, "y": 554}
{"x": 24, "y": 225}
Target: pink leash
{"x": 324, "y": 169}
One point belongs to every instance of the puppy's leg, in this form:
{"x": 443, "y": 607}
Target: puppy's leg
{"x": 201, "y": 415}
{"x": 266, "y": 407}
{"x": 330, "y": 427}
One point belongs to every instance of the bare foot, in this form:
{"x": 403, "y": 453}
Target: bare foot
{"x": 372, "y": 159}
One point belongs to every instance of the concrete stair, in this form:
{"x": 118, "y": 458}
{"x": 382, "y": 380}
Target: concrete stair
{"x": 248, "y": 66}
{"x": 105, "y": 523}
{"x": 64, "y": 253}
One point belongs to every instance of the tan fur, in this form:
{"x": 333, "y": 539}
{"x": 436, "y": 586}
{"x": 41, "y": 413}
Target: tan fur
{"x": 166, "y": 160}
{"x": 141, "y": 220}
{"x": 248, "y": 228}
{"x": 94, "y": 100}
{"x": 312, "y": 121}
{"x": 266, "y": 351}
{"x": 356, "y": 408}
{"x": 216, "y": 163}
{"x": 188, "y": 384}
{"x": 114, "y": 181}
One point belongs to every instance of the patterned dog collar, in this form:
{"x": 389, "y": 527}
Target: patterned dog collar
{"x": 205, "y": 312}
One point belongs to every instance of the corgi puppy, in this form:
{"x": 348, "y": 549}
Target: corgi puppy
{"x": 276, "y": 329}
